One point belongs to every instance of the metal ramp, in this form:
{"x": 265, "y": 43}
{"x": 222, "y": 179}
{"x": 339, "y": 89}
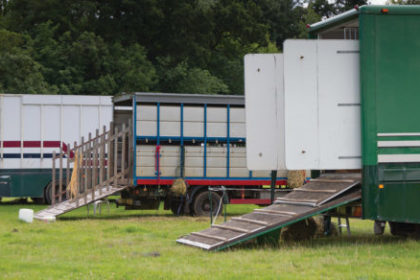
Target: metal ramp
{"x": 317, "y": 196}
{"x": 99, "y": 167}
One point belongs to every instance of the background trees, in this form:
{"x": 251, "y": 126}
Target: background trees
{"x": 113, "y": 46}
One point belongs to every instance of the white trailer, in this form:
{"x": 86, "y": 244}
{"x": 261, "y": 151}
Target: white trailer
{"x": 33, "y": 126}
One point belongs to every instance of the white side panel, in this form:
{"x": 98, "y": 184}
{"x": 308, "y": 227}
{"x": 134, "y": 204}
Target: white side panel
{"x": 47, "y": 118}
{"x": 12, "y": 118}
{"x": 193, "y": 121}
{"x": 322, "y": 104}
{"x": 264, "y": 111}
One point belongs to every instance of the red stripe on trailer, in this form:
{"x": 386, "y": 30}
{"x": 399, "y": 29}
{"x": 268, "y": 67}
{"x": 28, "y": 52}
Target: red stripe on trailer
{"x": 36, "y": 144}
{"x": 211, "y": 182}
{"x": 249, "y": 201}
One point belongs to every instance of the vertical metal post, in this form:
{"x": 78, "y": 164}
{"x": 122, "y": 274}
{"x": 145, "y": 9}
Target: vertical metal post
{"x": 211, "y": 207}
{"x": 273, "y": 184}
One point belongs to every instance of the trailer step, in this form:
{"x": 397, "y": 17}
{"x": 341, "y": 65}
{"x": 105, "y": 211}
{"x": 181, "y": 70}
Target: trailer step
{"x": 287, "y": 210}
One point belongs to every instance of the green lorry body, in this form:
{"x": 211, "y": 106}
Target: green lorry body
{"x": 24, "y": 182}
{"x": 390, "y": 98}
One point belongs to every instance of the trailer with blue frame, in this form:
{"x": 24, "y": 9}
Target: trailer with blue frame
{"x": 199, "y": 138}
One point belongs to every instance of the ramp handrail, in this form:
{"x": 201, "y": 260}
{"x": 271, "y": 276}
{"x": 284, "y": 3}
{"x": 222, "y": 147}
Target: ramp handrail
{"x": 101, "y": 161}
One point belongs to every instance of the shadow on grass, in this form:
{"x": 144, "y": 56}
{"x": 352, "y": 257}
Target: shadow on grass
{"x": 118, "y": 216}
{"x": 334, "y": 241}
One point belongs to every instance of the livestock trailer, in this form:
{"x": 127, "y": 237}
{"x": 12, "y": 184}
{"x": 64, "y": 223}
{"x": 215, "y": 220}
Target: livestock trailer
{"x": 199, "y": 138}
{"x": 32, "y": 126}
{"x": 345, "y": 104}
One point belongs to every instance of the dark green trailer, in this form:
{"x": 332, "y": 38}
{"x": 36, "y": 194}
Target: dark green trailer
{"x": 347, "y": 101}
{"x": 390, "y": 98}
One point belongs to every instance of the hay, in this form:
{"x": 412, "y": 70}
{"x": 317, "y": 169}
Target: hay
{"x": 178, "y": 188}
{"x": 73, "y": 184}
{"x": 295, "y": 178}
{"x": 320, "y": 230}
{"x": 302, "y": 230}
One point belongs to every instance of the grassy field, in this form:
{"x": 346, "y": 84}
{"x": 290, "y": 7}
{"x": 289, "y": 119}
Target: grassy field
{"x": 141, "y": 245}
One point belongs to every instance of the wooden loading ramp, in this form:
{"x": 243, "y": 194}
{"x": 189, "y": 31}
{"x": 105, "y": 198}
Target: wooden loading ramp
{"x": 69, "y": 205}
{"x": 317, "y": 196}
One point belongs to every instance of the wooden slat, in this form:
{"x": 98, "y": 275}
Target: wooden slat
{"x": 277, "y": 212}
{"x": 85, "y": 165}
{"x": 297, "y": 199}
{"x": 101, "y": 160}
{"x": 68, "y": 171}
{"x": 263, "y": 223}
{"x": 332, "y": 180}
{"x": 232, "y": 228}
{"x": 53, "y": 180}
{"x": 60, "y": 174}
{"x": 115, "y": 157}
{"x": 209, "y": 236}
{"x": 315, "y": 191}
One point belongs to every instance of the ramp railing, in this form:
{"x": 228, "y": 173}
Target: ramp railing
{"x": 97, "y": 164}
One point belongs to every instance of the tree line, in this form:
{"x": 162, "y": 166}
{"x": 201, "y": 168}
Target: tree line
{"x": 113, "y": 46}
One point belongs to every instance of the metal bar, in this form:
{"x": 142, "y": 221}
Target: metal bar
{"x": 60, "y": 174}
{"x": 134, "y": 140}
{"x": 228, "y": 141}
{"x": 53, "y": 180}
{"x": 158, "y": 123}
{"x": 205, "y": 142}
{"x": 273, "y": 185}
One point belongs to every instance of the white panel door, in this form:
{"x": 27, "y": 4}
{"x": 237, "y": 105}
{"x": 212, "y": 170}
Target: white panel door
{"x": 322, "y": 104}
{"x": 264, "y": 97}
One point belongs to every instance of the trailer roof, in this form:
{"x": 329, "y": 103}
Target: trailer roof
{"x": 353, "y": 15}
{"x": 178, "y": 98}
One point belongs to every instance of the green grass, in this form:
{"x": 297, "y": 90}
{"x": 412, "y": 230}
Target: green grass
{"x": 124, "y": 245}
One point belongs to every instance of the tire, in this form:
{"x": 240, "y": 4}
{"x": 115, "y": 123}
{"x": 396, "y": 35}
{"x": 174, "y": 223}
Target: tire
{"x": 201, "y": 205}
{"x": 379, "y": 227}
{"x": 37, "y": 200}
{"x": 48, "y": 193}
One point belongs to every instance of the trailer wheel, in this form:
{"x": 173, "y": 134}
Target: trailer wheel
{"x": 48, "y": 193}
{"x": 201, "y": 205}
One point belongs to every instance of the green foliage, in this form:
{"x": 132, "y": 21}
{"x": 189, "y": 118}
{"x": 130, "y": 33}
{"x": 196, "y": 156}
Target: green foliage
{"x": 108, "y": 47}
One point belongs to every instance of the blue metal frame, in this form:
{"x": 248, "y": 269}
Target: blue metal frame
{"x": 181, "y": 139}
{"x": 197, "y": 139}
{"x": 212, "y": 178}
{"x": 228, "y": 141}
{"x": 205, "y": 142}
{"x": 158, "y": 122}
{"x": 134, "y": 139}
{"x": 182, "y": 154}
